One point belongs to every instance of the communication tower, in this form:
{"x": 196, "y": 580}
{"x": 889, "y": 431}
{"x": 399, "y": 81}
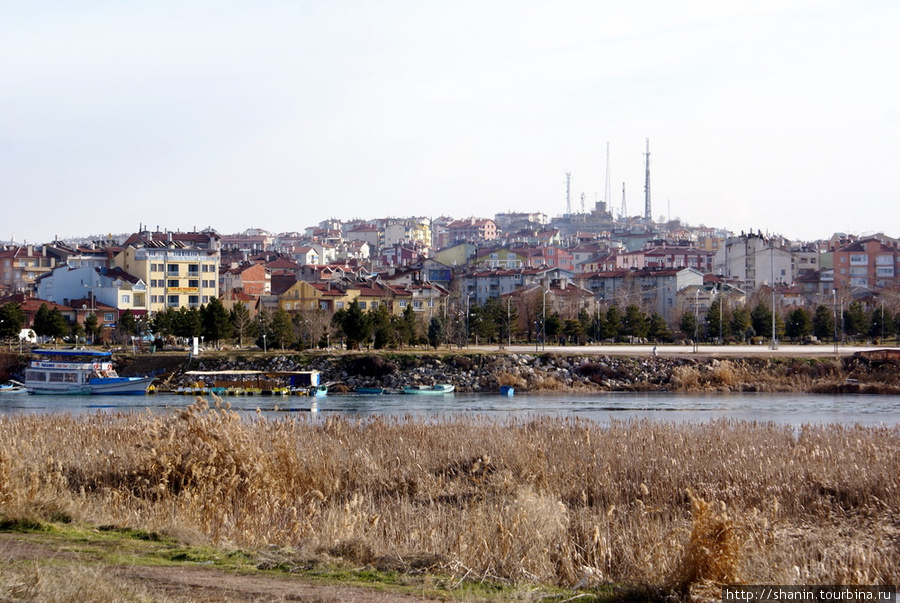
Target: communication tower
{"x": 607, "y": 192}
{"x": 568, "y": 193}
{"x": 623, "y": 213}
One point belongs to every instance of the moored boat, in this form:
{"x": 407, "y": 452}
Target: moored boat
{"x": 507, "y": 390}
{"x": 79, "y": 372}
{"x": 370, "y": 390}
{"x": 13, "y": 387}
{"x": 439, "y": 388}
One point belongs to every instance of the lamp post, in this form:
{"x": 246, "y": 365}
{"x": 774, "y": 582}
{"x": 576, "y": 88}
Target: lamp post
{"x": 696, "y": 319}
{"x": 834, "y": 312}
{"x": 509, "y": 321}
{"x": 772, "y": 266}
{"x": 264, "y": 343}
{"x": 544, "y": 322}
{"x": 468, "y": 298}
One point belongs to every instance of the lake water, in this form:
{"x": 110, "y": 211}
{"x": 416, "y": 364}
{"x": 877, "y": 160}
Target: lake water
{"x": 793, "y": 409}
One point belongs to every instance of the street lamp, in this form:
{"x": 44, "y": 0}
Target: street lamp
{"x": 468, "y": 297}
{"x": 834, "y": 313}
{"x": 772, "y": 265}
{"x": 696, "y": 319}
{"x": 264, "y": 343}
{"x": 544, "y": 322}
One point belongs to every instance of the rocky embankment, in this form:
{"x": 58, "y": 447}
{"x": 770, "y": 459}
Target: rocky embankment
{"x": 552, "y": 372}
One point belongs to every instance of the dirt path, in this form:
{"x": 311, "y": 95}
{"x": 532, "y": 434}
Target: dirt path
{"x": 39, "y": 558}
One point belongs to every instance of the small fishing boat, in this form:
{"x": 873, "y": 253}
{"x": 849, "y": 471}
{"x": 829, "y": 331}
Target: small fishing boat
{"x": 13, "y": 387}
{"x": 507, "y": 390}
{"x": 319, "y": 391}
{"x": 439, "y": 388}
{"x": 369, "y": 391}
{"x": 79, "y": 372}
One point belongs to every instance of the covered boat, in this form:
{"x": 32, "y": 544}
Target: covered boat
{"x": 79, "y": 372}
{"x": 439, "y": 388}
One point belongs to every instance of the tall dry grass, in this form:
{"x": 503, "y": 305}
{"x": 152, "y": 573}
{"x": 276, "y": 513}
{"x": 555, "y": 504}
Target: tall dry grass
{"x": 562, "y": 501}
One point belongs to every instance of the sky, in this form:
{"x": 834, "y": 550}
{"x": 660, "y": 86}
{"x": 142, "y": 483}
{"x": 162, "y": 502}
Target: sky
{"x": 774, "y": 115}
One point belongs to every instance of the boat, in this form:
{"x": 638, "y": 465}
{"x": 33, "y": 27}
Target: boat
{"x": 318, "y": 391}
{"x": 439, "y": 388}
{"x": 13, "y": 387}
{"x": 82, "y": 372}
{"x": 507, "y": 390}
{"x": 370, "y": 390}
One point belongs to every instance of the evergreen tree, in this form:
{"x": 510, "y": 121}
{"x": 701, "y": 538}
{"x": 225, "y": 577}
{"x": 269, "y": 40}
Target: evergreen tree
{"x": 799, "y": 324}
{"x": 823, "y": 323}
{"x": 187, "y": 322}
{"x": 613, "y": 323}
{"x": 281, "y": 330}
{"x": 881, "y": 323}
{"x": 92, "y": 328}
{"x": 12, "y": 319}
{"x": 127, "y": 323}
{"x": 657, "y": 329}
{"x": 383, "y": 328}
{"x": 215, "y": 321}
{"x": 58, "y": 326}
{"x": 554, "y": 326}
{"x": 573, "y": 329}
{"x": 635, "y": 323}
{"x": 355, "y": 324}
{"x": 761, "y": 318}
{"x": 716, "y": 324}
{"x": 856, "y": 322}
{"x": 41, "y": 324}
{"x": 742, "y": 324}
{"x": 435, "y": 332}
{"x": 688, "y": 325}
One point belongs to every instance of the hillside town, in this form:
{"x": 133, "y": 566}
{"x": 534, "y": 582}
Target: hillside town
{"x": 388, "y": 282}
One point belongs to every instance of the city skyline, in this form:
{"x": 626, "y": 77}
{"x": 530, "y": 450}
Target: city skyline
{"x": 776, "y": 117}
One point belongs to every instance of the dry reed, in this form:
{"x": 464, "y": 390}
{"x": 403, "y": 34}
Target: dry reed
{"x": 559, "y": 501}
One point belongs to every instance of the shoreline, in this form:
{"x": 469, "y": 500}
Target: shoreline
{"x": 587, "y": 371}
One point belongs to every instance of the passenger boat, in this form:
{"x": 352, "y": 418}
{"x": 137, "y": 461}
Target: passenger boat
{"x": 79, "y": 372}
{"x": 440, "y": 388}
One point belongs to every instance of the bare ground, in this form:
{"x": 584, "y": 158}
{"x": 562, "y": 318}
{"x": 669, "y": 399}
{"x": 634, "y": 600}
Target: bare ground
{"x": 39, "y": 557}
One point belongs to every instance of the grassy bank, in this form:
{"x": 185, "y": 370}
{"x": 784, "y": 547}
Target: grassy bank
{"x": 670, "y": 508}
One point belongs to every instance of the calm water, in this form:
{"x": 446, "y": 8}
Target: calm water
{"x": 794, "y": 409}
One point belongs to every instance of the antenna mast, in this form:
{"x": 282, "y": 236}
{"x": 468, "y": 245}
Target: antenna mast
{"x": 648, "y": 213}
{"x": 568, "y": 193}
{"x": 623, "y": 215}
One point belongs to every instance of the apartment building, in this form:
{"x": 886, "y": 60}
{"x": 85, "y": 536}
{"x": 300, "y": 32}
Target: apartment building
{"x": 21, "y": 266}
{"x": 180, "y": 269}
{"x": 868, "y": 263}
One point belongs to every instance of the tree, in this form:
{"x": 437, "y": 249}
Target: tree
{"x": 799, "y": 324}
{"x": 573, "y": 329}
{"x": 187, "y": 322}
{"x": 657, "y": 329}
{"x": 12, "y": 319}
{"x": 856, "y": 322}
{"x": 613, "y": 323}
{"x": 92, "y": 327}
{"x": 383, "y": 328}
{"x": 688, "y": 324}
{"x": 59, "y": 328}
{"x": 761, "y": 318}
{"x": 742, "y": 323}
{"x": 77, "y": 332}
{"x": 281, "y": 330}
{"x": 823, "y": 323}
{"x": 127, "y": 323}
{"x": 356, "y": 324}
{"x": 41, "y": 323}
{"x": 634, "y": 323}
{"x": 215, "y": 321}
{"x": 553, "y": 326}
{"x": 435, "y": 332}
{"x": 241, "y": 323}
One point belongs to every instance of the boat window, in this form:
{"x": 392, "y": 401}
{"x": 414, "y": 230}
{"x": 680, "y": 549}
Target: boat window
{"x": 70, "y": 377}
{"x": 56, "y": 377}
{"x": 35, "y": 375}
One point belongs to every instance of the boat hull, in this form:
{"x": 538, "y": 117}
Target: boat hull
{"x": 121, "y": 386}
{"x": 430, "y": 390}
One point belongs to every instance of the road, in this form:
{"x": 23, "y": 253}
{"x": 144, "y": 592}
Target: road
{"x": 687, "y": 350}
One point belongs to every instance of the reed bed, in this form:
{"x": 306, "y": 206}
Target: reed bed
{"x": 677, "y": 508}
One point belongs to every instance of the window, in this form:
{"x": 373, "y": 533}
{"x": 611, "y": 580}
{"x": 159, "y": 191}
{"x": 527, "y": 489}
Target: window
{"x": 109, "y": 317}
{"x": 193, "y": 269}
{"x": 172, "y": 283}
{"x": 126, "y": 299}
{"x": 339, "y": 305}
{"x": 173, "y": 270}
{"x": 430, "y": 303}
{"x": 323, "y": 305}
{"x": 194, "y": 283}
{"x": 193, "y": 300}
{"x": 417, "y": 304}
{"x": 362, "y": 305}
{"x": 859, "y": 258}
{"x": 172, "y": 301}
{"x": 402, "y": 303}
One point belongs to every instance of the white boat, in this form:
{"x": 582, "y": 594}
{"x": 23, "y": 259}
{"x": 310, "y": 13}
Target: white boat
{"x": 79, "y": 372}
{"x": 440, "y": 388}
{"x": 13, "y": 387}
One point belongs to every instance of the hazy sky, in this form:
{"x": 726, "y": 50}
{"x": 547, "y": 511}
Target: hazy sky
{"x": 777, "y": 115}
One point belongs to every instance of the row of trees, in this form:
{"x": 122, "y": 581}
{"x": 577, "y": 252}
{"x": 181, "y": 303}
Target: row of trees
{"x": 492, "y": 322}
